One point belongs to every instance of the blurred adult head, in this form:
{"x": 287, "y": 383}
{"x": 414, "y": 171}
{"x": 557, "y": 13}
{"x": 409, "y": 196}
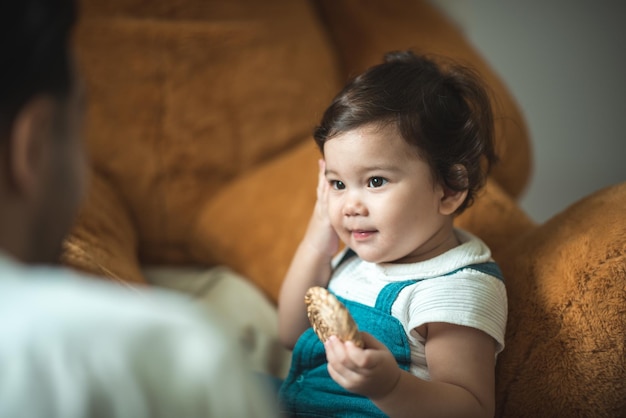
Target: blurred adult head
{"x": 42, "y": 161}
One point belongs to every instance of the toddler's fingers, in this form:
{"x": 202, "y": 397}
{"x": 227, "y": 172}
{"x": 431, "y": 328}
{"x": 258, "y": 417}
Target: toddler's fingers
{"x": 321, "y": 179}
{"x": 339, "y": 354}
{"x": 321, "y": 163}
{"x": 335, "y": 349}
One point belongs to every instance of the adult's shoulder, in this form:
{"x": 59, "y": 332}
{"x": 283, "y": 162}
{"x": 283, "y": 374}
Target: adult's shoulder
{"x": 45, "y": 296}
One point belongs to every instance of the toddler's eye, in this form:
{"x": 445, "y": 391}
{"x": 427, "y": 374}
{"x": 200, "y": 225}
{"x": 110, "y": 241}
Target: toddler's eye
{"x": 337, "y": 185}
{"x": 376, "y": 182}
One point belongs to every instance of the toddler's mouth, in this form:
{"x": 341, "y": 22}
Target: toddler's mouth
{"x": 362, "y": 234}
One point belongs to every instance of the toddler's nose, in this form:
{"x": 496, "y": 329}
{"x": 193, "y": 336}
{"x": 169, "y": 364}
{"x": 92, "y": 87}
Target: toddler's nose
{"x": 354, "y": 206}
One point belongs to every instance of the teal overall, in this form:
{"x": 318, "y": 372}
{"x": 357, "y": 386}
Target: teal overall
{"x": 309, "y": 391}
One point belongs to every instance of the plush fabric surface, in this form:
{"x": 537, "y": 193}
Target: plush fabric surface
{"x": 255, "y": 224}
{"x": 186, "y": 97}
{"x": 199, "y": 131}
{"x": 566, "y": 336}
{"x": 104, "y": 242}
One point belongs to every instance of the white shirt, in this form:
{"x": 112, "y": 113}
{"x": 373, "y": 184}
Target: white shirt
{"x": 466, "y": 297}
{"x": 75, "y": 347}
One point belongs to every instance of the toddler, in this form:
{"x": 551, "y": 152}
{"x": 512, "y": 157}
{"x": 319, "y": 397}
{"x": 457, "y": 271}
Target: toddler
{"x": 406, "y": 146}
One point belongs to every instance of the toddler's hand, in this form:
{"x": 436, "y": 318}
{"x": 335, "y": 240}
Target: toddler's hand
{"x": 372, "y": 372}
{"x": 320, "y": 234}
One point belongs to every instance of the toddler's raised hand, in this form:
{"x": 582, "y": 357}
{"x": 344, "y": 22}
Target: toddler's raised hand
{"x": 320, "y": 234}
{"x": 311, "y": 266}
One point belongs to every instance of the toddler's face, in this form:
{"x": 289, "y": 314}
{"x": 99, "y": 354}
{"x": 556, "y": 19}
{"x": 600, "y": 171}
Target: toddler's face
{"x": 383, "y": 202}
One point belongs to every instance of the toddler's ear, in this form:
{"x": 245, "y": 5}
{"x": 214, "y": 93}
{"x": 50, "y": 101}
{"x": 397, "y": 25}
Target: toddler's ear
{"x": 451, "y": 199}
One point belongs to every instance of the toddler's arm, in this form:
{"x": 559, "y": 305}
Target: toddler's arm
{"x": 311, "y": 266}
{"x": 461, "y": 363}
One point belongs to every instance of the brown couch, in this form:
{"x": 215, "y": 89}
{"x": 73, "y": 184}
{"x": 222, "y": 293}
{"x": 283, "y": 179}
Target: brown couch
{"x": 199, "y": 132}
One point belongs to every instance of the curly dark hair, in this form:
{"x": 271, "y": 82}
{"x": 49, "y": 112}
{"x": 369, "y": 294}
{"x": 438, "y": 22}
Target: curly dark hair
{"x": 443, "y": 110}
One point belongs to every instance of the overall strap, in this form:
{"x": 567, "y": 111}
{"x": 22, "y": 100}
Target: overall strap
{"x": 489, "y": 268}
{"x": 390, "y": 292}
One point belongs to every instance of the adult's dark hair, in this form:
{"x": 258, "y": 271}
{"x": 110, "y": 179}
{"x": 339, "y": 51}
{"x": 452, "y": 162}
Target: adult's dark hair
{"x": 442, "y": 110}
{"x": 34, "y": 53}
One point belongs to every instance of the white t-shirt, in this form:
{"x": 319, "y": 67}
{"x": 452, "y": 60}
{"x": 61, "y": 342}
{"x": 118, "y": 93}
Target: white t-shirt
{"x": 76, "y": 347}
{"x": 466, "y": 297}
